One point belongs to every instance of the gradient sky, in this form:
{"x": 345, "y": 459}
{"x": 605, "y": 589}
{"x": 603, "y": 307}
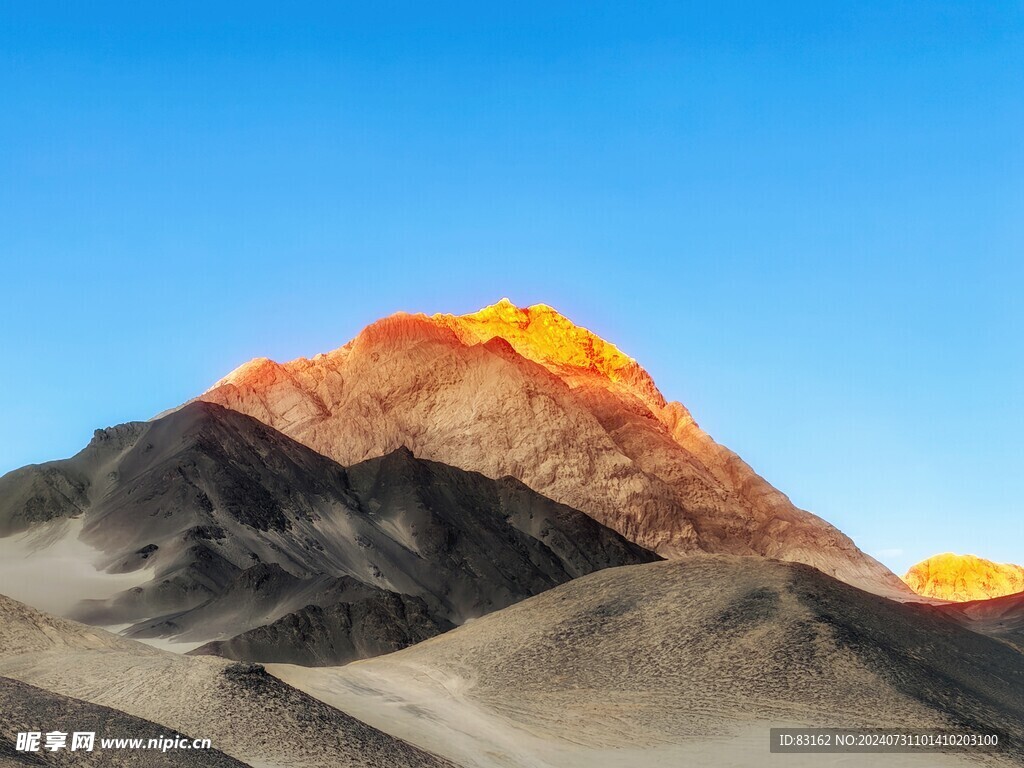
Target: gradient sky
{"x": 805, "y": 219}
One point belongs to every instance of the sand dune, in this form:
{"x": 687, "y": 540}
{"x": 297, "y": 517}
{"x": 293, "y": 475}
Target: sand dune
{"x": 51, "y": 568}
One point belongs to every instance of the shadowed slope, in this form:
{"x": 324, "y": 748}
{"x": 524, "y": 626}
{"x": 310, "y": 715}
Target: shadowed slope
{"x": 240, "y": 526}
{"x": 339, "y": 633}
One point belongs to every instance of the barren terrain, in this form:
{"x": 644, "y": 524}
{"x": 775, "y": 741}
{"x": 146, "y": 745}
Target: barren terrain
{"x": 693, "y": 658}
{"x": 246, "y": 713}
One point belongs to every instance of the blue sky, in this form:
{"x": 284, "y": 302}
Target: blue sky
{"x": 805, "y": 219}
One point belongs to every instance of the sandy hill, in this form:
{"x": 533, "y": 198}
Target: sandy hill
{"x": 246, "y": 713}
{"x": 528, "y": 394}
{"x": 684, "y": 662}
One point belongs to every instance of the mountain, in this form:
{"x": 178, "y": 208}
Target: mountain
{"x": 963, "y": 578}
{"x": 528, "y": 394}
{"x": 229, "y": 525}
{"x": 685, "y": 662}
{"x": 247, "y": 714}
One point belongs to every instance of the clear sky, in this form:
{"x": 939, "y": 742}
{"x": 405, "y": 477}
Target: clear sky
{"x": 805, "y": 219}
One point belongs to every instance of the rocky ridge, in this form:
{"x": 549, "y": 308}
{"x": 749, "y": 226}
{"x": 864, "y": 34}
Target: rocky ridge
{"x": 231, "y": 526}
{"x": 529, "y": 394}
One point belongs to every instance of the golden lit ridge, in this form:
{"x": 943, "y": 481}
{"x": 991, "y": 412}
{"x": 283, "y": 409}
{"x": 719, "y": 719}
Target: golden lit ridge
{"x": 961, "y": 578}
{"x": 538, "y": 333}
{"x": 543, "y": 335}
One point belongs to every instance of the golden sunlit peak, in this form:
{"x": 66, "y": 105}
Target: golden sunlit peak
{"x": 545, "y": 336}
{"x": 503, "y": 310}
{"x": 962, "y": 578}
{"x": 546, "y": 332}
{"x": 538, "y": 333}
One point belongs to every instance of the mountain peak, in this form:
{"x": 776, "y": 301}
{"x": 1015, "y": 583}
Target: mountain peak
{"x": 504, "y": 309}
{"x": 539, "y": 333}
{"x": 962, "y": 578}
{"x": 541, "y": 330}
{"x": 542, "y": 334}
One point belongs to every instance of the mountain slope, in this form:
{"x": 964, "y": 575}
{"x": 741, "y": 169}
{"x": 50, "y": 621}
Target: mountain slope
{"x": 998, "y": 617}
{"x": 25, "y": 708}
{"x": 238, "y": 526}
{"x": 963, "y": 578}
{"x": 683, "y": 662}
{"x": 244, "y": 712}
{"x": 526, "y": 393}
{"x": 336, "y": 634}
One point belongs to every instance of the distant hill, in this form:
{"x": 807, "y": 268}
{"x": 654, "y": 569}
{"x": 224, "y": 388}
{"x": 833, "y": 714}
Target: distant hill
{"x": 961, "y": 578}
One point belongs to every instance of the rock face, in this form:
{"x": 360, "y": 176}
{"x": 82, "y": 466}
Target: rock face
{"x": 526, "y": 393}
{"x": 240, "y": 526}
{"x": 682, "y": 663}
{"x": 962, "y": 578}
{"x": 126, "y": 687}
